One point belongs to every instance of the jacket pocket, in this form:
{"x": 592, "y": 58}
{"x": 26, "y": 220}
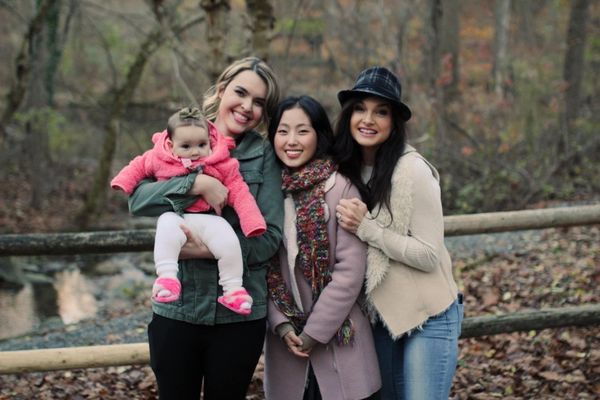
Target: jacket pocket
{"x": 253, "y": 178}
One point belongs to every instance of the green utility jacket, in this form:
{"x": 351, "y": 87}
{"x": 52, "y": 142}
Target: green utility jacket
{"x": 199, "y": 278}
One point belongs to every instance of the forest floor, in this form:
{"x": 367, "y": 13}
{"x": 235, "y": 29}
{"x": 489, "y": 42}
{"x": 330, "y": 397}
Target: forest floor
{"x": 558, "y": 268}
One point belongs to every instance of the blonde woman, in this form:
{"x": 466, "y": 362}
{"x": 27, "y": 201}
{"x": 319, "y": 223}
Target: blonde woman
{"x": 194, "y": 342}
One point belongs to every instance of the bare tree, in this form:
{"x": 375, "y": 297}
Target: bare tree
{"x": 37, "y": 102}
{"x": 431, "y": 30}
{"x": 402, "y": 16}
{"x": 432, "y": 62}
{"x": 502, "y": 14}
{"x": 217, "y": 12}
{"x": 573, "y": 67}
{"x": 524, "y": 11}
{"x": 449, "y": 75}
{"x": 33, "y": 95}
{"x": 263, "y": 22}
{"x": 120, "y": 99}
{"x": 23, "y": 65}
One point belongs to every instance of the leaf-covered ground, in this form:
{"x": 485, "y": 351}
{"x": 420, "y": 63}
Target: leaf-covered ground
{"x": 563, "y": 363}
{"x": 550, "y": 364}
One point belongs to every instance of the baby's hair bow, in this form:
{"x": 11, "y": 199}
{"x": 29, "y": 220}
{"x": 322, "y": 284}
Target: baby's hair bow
{"x": 189, "y": 112}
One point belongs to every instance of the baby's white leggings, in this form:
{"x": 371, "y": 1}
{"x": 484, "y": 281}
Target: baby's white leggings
{"x": 214, "y": 231}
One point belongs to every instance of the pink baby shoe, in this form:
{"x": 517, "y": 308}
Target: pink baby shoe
{"x": 166, "y": 290}
{"x": 238, "y": 301}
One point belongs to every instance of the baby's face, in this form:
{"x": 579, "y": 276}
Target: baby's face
{"x": 190, "y": 142}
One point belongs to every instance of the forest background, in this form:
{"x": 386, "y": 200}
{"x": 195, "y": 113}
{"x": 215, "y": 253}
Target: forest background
{"x": 504, "y": 93}
{"x": 505, "y": 103}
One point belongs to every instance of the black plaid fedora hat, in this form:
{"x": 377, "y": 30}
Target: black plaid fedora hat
{"x": 381, "y": 82}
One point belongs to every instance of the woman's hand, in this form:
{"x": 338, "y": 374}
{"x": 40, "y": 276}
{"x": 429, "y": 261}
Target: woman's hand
{"x": 307, "y": 342}
{"x": 193, "y": 247}
{"x": 294, "y": 344}
{"x": 211, "y": 190}
{"x": 350, "y": 213}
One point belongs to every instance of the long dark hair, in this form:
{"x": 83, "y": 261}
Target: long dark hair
{"x": 318, "y": 119}
{"x": 347, "y": 154}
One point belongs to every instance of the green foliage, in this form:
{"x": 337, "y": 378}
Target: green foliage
{"x": 120, "y": 49}
{"x": 48, "y": 120}
{"x": 302, "y": 27}
{"x": 492, "y": 189}
{"x": 107, "y": 53}
{"x": 66, "y": 139}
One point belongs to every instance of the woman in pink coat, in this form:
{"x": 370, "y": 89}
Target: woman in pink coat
{"x": 191, "y": 143}
{"x": 319, "y": 343}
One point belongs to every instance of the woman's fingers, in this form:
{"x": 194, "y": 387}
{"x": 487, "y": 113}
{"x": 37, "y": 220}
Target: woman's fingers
{"x": 191, "y": 236}
{"x": 350, "y": 213}
{"x": 294, "y": 344}
{"x": 212, "y": 191}
{"x": 291, "y": 339}
{"x": 297, "y": 352}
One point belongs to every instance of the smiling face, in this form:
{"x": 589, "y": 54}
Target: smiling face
{"x": 242, "y": 104}
{"x": 190, "y": 142}
{"x": 371, "y": 125}
{"x": 295, "y": 139}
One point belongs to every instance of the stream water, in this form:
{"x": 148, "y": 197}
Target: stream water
{"x": 67, "y": 295}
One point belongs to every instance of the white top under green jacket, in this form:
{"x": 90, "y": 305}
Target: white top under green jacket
{"x": 409, "y": 274}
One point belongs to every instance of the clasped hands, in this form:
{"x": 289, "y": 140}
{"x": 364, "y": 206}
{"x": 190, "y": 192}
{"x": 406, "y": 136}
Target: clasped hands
{"x": 350, "y": 213}
{"x": 295, "y": 345}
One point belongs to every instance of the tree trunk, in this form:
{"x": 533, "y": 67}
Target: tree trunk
{"x": 573, "y": 68}
{"x": 263, "y": 21}
{"x": 35, "y": 154}
{"x": 217, "y": 14}
{"x": 449, "y": 76}
{"x": 432, "y": 70}
{"x": 499, "y": 74}
{"x": 121, "y": 98}
{"x": 55, "y": 40}
{"x": 47, "y": 52}
{"x": 401, "y": 19}
{"x": 96, "y": 196}
{"x": 23, "y": 64}
{"x": 524, "y": 10}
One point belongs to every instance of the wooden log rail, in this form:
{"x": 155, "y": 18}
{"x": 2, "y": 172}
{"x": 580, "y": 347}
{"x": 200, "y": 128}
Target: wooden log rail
{"x": 142, "y": 239}
{"x": 12, "y": 362}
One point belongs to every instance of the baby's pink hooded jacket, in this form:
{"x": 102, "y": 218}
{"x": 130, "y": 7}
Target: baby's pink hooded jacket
{"x": 160, "y": 163}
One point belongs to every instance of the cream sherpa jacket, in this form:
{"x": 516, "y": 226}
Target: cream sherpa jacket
{"x": 409, "y": 276}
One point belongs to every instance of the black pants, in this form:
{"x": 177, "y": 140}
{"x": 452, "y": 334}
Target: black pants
{"x": 184, "y": 355}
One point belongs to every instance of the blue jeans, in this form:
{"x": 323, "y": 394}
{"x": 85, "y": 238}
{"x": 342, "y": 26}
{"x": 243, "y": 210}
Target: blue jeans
{"x": 420, "y": 366}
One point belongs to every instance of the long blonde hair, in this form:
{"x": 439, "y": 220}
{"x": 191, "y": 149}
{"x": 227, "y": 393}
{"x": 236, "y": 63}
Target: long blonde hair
{"x": 212, "y": 101}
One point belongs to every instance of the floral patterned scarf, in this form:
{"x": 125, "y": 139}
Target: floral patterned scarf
{"x": 307, "y": 188}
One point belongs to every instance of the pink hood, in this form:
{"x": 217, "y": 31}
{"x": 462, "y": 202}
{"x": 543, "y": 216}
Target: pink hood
{"x": 220, "y": 146}
{"x": 161, "y": 164}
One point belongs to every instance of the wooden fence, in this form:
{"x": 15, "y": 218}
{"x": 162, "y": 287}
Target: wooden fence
{"x": 141, "y": 240}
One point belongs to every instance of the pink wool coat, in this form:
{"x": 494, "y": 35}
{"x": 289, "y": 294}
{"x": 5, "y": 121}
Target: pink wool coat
{"x": 342, "y": 371}
{"x": 160, "y": 163}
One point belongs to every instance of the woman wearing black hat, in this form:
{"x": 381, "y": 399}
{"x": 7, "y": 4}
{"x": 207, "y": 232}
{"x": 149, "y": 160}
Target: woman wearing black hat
{"x": 412, "y": 298}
